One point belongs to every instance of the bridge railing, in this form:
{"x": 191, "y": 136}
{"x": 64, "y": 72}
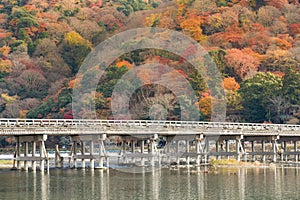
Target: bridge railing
{"x": 73, "y": 123}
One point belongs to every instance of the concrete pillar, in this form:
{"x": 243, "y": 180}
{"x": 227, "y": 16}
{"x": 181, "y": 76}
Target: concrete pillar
{"x": 274, "y": 150}
{"x": 18, "y": 153}
{"x": 101, "y": 154}
{"x": 152, "y": 150}
{"x": 227, "y": 148}
{"x": 295, "y": 151}
{"x": 92, "y": 160}
{"x": 206, "y": 150}
{"x": 142, "y": 152}
{"x": 26, "y": 156}
{"x": 177, "y": 152}
{"x": 253, "y": 150}
{"x": 217, "y": 150}
{"x": 237, "y": 145}
{"x": 244, "y": 151}
{"x": 285, "y": 151}
{"x": 74, "y": 154}
{"x": 33, "y": 164}
{"x": 198, "y": 151}
{"x": 83, "y": 154}
{"x": 124, "y": 150}
{"x": 263, "y": 150}
{"x": 57, "y": 160}
{"x": 187, "y": 151}
{"x": 168, "y": 149}
{"x": 133, "y": 150}
{"x": 42, "y": 155}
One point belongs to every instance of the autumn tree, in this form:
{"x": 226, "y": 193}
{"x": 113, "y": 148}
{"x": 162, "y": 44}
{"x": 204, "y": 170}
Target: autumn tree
{"x": 267, "y": 15}
{"x": 74, "y": 49}
{"x": 244, "y": 64}
{"x": 191, "y": 27}
{"x": 234, "y": 99}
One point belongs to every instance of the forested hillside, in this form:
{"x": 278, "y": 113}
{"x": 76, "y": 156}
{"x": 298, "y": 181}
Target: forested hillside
{"x": 255, "y": 44}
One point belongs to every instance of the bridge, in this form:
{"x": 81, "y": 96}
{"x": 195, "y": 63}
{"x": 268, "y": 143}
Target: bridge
{"x": 185, "y": 141}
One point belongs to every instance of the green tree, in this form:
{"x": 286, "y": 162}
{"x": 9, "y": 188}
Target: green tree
{"x": 291, "y": 86}
{"x": 257, "y": 93}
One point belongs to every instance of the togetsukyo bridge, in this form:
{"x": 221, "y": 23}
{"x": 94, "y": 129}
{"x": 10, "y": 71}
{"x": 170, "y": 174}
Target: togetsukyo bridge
{"x": 189, "y": 142}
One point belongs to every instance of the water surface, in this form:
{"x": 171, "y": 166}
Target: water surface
{"x": 184, "y": 183}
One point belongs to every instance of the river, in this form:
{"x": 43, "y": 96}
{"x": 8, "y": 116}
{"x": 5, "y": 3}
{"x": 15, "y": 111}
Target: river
{"x": 177, "y": 183}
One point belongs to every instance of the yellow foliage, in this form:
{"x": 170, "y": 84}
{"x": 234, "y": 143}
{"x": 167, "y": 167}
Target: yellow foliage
{"x": 7, "y": 98}
{"x": 191, "y": 27}
{"x": 73, "y": 38}
{"x": 5, "y": 50}
{"x": 154, "y": 18}
{"x": 22, "y": 114}
{"x": 205, "y": 105}
{"x": 5, "y": 66}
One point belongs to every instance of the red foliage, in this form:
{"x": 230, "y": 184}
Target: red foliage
{"x": 276, "y": 3}
{"x": 295, "y": 29}
{"x": 243, "y": 64}
{"x": 68, "y": 115}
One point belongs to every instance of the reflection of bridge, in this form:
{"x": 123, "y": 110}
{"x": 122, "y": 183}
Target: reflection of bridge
{"x": 184, "y": 140}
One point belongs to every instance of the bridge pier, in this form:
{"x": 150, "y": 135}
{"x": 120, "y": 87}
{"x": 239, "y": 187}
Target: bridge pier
{"x": 26, "y": 158}
{"x": 84, "y": 156}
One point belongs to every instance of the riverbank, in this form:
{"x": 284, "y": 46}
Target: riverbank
{"x": 6, "y": 164}
{"x": 234, "y": 162}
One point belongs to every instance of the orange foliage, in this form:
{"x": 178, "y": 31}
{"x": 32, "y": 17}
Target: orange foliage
{"x": 124, "y": 63}
{"x": 191, "y": 26}
{"x": 283, "y": 44}
{"x": 232, "y": 34}
{"x": 5, "y": 50}
{"x": 205, "y": 105}
{"x": 4, "y": 34}
{"x": 5, "y": 66}
{"x": 30, "y": 7}
{"x": 230, "y": 84}
{"x": 71, "y": 83}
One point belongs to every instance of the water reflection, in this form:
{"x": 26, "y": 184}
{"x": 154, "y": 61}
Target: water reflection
{"x": 176, "y": 183}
